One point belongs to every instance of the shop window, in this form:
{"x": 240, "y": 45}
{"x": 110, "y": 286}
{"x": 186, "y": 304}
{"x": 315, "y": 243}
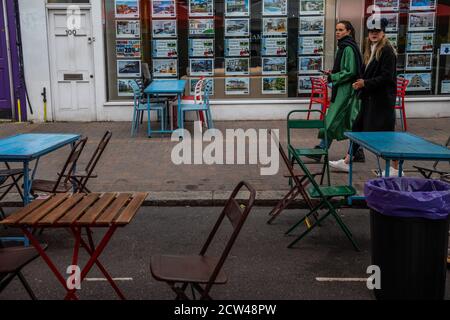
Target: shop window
{"x": 69, "y": 1}
{"x": 253, "y": 49}
{"x": 419, "y": 29}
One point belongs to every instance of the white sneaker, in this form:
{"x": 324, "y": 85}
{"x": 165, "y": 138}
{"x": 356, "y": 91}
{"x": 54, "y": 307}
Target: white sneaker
{"x": 339, "y": 165}
{"x": 392, "y": 173}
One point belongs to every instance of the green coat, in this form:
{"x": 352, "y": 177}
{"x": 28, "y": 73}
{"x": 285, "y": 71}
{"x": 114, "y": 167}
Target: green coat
{"x": 343, "y": 111}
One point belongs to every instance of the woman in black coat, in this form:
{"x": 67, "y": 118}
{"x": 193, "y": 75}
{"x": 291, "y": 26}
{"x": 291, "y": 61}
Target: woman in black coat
{"x": 377, "y": 89}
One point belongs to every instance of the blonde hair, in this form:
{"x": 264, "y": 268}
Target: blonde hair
{"x": 380, "y": 45}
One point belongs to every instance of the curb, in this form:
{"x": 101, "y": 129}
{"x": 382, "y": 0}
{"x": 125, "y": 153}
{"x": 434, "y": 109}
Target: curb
{"x": 202, "y": 199}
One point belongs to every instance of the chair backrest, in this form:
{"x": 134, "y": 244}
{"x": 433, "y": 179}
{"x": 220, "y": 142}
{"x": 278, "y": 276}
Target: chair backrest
{"x": 94, "y": 159}
{"x": 290, "y": 168}
{"x": 402, "y": 84}
{"x": 137, "y": 87}
{"x": 237, "y": 214}
{"x": 146, "y": 75}
{"x": 70, "y": 163}
{"x": 306, "y": 124}
{"x": 318, "y": 87}
{"x": 198, "y": 90}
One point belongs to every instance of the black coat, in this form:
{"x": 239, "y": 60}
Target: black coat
{"x": 379, "y": 94}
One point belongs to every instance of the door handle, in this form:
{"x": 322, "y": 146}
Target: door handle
{"x": 91, "y": 76}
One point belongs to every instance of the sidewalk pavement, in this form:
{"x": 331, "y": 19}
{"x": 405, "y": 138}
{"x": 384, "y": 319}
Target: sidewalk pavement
{"x": 144, "y": 164}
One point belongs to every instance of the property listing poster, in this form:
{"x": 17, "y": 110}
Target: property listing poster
{"x": 201, "y": 8}
{"x": 274, "y": 7}
{"x": 418, "y": 81}
{"x": 209, "y": 87}
{"x": 275, "y": 26}
{"x": 237, "y": 86}
{"x": 237, "y": 27}
{"x": 201, "y": 47}
{"x": 310, "y": 45}
{"x": 387, "y": 5}
{"x": 274, "y": 47}
{"x": 128, "y": 48}
{"x": 422, "y": 41}
{"x": 312, "y": 7}
{"x": 274, "y": 85}
{"x": 310, "y": 25}
{"x": 124, "y": 88}
{"x": 128, "y": 29}
{"x": 237, "y": 66}
{"x": 165, "y": 67}
{"x": 273, "y": 65}
{"x": 201, "y": 67}
{"x": 310, "y": 64}
{"x": 304, "y": 84}
{"x": 237, "y": 47}
{"x": 237, "y": 8}
{"x": 164, "y": 9}
{"x": 127, "y": 9}
{"x": 167, "y": 48}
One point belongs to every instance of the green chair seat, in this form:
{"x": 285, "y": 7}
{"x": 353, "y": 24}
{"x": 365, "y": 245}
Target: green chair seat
{"x": 310, "y": 152}
{"x": 333, "y": 191}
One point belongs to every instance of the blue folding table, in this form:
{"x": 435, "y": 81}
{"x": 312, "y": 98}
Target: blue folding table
{"x": 399, "y": 146}
{"x": 28, "y": 147}
{"x": 165, "y": 87}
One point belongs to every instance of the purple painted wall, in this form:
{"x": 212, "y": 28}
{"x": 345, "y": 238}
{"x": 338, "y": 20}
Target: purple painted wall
{"x": 19, "y": 89}
{"x": 5, "y": 92}
{"x": 9, "y": 27}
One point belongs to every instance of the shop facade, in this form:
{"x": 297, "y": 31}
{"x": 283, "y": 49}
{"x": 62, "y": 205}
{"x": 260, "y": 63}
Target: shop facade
{"x": 260, "y": 54}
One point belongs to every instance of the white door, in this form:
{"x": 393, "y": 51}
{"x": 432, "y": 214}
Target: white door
{"x": 72, "y": 67}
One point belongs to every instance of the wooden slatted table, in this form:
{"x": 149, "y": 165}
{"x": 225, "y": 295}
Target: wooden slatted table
{"x": 75, "y": 212}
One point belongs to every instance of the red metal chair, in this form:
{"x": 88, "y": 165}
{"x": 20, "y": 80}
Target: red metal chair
{"x": 319, "y": 95}
{"x": 402, "y": 84}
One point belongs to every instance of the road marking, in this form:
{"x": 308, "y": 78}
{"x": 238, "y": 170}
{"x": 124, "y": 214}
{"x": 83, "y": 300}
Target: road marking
{"x": 104, "y": 279}
{"x": 341, "y": 279}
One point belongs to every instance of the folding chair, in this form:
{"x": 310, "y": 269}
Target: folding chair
{"x": 298, "y": 188}
{"x": 294, "y": 124}
{"x": 12, "y": 261}
{"x": 325, "y": 195}
{"x": 81, "y": 178}
{"x": 428, "y": 172}
{"x": 63, "y": 182}
{"x": 5, "y": 187}
{"x": 202, "y": 271}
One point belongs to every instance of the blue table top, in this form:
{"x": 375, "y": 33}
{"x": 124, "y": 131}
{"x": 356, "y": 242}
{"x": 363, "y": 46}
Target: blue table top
{"x": 30, "y": 146}
{"x": 166, "y": 86}
{"x": 399, "y": 145}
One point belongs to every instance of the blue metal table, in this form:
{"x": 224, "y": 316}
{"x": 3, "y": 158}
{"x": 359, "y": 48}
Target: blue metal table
{"x": 399, "y": 146}
{"x": 165, "y": 87}
{"x": 29, "y": 147}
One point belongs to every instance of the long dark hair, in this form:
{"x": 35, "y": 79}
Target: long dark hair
{"x": 348, "y": 25}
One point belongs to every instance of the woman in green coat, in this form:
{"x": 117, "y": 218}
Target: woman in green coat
{"x": 345, "y": 103}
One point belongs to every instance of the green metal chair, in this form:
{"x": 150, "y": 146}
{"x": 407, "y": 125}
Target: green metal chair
{"x": 303, "y": 124}
{"x": 325, "y": 195}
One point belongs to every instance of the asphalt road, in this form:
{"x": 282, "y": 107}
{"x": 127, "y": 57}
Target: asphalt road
{"x": 260, "y": 267}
